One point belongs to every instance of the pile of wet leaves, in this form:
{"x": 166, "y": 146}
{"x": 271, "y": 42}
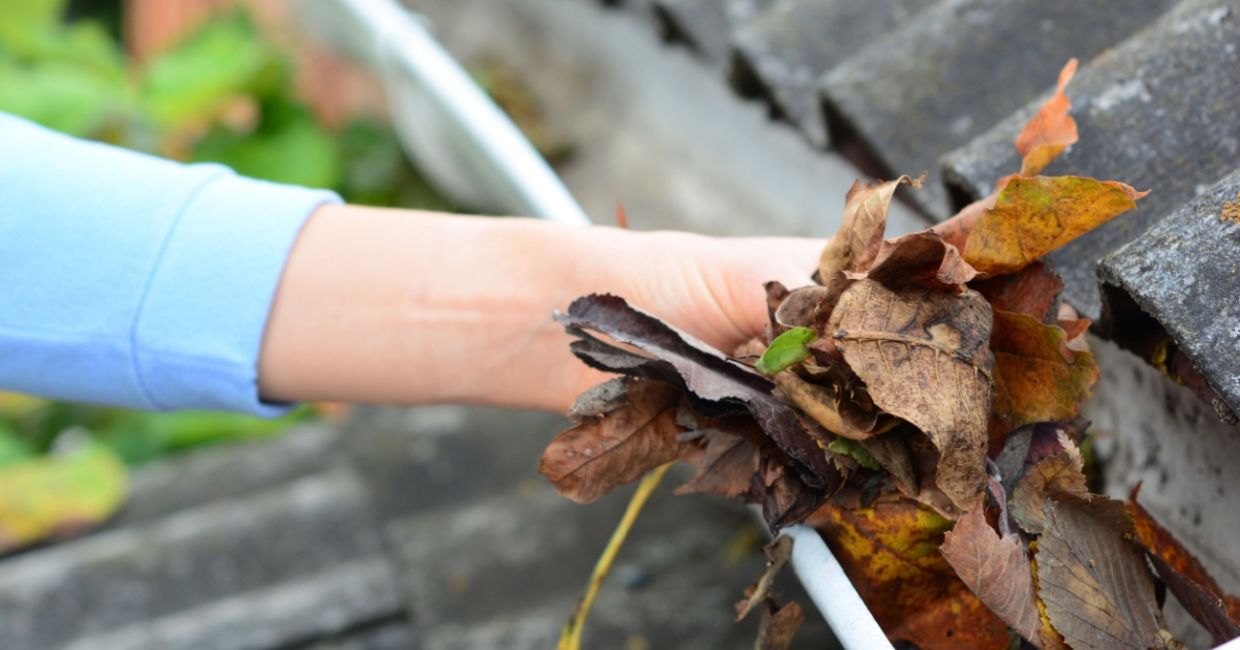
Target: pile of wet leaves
{"x": 918, "y": 404}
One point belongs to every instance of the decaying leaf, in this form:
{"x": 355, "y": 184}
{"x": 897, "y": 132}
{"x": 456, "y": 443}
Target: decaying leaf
{"x": 925, "y": 358}
{"x": 889, "y": 550}
{"x": 921, "y": 259}
{"x": 1037, "y": 378}
{"x": 777, "y": 554}
{"x": 58, "y": 496}
{"x": 820, "y": 403}
{"x": 1050, "y": 131}
{"x": 1033, "y": 216}
{"x": 786, "y": 500}
{"x": 707, "y": 374}
{"x": 857, "y": 240}
{"x": 1094, "y": 583}
{"x": 609, "y": 449}
{"x": 891, "y": 452}
{"x": 779, "y": 625}
{"x": 805, "y": 307}
{"x": 996, "y": 569}
{"x": 1032, "y": 290}
{"x": 1192, "y": 585}
{"x": 727, "y": 469}
{"x": 1056, "y": 476}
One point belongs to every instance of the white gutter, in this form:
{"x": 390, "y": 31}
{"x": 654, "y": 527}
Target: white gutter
{"x": 466, "y": 145}
{"x": 832, "y": 592}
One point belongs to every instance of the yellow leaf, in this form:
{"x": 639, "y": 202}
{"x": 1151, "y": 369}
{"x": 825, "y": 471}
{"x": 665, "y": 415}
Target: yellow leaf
{"x": 1034, "y": 216}
{"x": 59, "y": 496}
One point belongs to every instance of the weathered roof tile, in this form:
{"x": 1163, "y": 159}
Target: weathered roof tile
{"x": 1157, "y": 112}
{"x": 1185, "y": 272}
{"x": 962, "y": 66}
{"x": 783, "y": 52}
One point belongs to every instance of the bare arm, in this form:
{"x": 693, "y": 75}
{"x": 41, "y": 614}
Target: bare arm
{"x": 389, "y": 306}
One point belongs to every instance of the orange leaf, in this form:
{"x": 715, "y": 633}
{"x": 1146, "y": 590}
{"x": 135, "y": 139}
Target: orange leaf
{"x": 1192, "y": 585}
{"x": 1050, "y": 130}
{"x": 1037, "y": 378}
{"x": 890, "y": 552}
{"x": 1032, "y": 290}
{"x": 997, "y": 570}
{"x": 1034, "y": 216}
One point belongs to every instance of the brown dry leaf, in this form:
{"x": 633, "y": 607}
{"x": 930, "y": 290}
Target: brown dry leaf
{"x": 727, "y": 469}
{"x": 820, "y": 403}
{"x": 785, "y": 498}
{"x": 609, "y": 449}
{"x": 808, "y": 306}
{"x": 855, "y": 244}
{"x": 779, "y": 626}
{"x": 1059, "y": 475}
{"x": 1032, "y": 290}
{"x": 924, "y": 358}
{"x": 777, "y": 554}
{"x": 921, "y": 259}
{"x": 996, "y": 569}
{"x": 892, "y": 453}
{"x": 1050, "y": 130}
{"x": 719, "y": 386}
{"x": 889, "y": 550}
{"x": 1034, "y": 216}
{"x": 1093, "y": 582}
{"x": 1192, "y": 585}
{"x": 1037, "y": 378}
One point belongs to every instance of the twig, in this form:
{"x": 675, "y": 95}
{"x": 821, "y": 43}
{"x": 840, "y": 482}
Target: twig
{"x": 570, "y": 634}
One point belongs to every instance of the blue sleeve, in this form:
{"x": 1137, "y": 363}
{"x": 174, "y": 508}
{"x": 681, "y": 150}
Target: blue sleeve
{"x": 135, "y": 281}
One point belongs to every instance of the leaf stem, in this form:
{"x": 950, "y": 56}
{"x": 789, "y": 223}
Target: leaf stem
{"x": 570, "y": 634}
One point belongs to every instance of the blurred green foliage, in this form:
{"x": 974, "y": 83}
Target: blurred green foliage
{"x": 223, "y": 94}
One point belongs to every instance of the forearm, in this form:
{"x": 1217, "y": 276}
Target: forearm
{"x": 389, "y": 306}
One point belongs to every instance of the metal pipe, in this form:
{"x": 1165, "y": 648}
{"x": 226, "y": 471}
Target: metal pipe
{"x": 446, "y": 123}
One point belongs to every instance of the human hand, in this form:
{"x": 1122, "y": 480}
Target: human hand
{"x": 711, "y": 287}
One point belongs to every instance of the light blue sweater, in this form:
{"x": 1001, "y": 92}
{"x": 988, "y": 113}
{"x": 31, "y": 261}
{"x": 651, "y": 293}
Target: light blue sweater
{"x": 130, "y": 280}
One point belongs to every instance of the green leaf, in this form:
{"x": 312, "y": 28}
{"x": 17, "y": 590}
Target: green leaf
{"x": 61, "y": 95}
{"x": 12, "y": 447}
{"x": 142, "y": 437}
{"x": 847, "y": 447}
{"x": 225, "y": 58}
{"x": 288, "y": 147}
{"x": 786, "y": 350}
{"x": 58, "y": 496}
{"x": 23, "y": 22}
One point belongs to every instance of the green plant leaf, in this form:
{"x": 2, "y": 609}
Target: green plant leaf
{"x": 288, "y": 147}
{"x": 225, "y": 58}
{"x": 12, "y": 447}
{"x": 24, "y": 22}
{"x": 58, "y": 496}
{"x": 847, "y": 447}
{"x": 788, "y": 349}
{"x": 61, "y": 95}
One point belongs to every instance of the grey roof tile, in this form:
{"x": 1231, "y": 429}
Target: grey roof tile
{"x": 283, "y": 565}
{"x": 1185, "y": 272}
{"x": 962, "y": 66}
{"x": 706, "y": 25}
{"x": 1157, "y": 112}
{"x": 783, "y": 52}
